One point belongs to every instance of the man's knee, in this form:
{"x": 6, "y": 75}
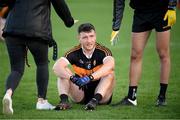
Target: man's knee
{"x": 111, "y": 75}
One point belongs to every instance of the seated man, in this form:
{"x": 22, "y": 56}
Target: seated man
{"x": 93, "y": 81}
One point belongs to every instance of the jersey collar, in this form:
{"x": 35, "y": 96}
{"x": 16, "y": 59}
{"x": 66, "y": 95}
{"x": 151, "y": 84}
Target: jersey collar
{"x": 88, "y": 55}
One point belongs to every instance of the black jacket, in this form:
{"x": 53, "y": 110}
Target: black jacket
{"x": 31, "y": 18}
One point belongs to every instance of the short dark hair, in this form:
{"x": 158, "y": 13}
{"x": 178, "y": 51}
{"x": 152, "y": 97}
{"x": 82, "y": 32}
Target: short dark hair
{"x": 86, "y": 27}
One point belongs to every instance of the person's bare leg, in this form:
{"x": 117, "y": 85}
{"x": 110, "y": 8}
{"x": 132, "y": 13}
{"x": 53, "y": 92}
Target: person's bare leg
{"x": 163, "y": 50}
{"x": 103, "y": 92}
{"x": 105, "y": 87}
{"x": 68, "y": 89}
{"x": 162, "y": 45}
{"x": 139, "y": 41}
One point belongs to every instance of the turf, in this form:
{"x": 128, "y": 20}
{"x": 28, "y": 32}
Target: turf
{"x": 99, "y": 13}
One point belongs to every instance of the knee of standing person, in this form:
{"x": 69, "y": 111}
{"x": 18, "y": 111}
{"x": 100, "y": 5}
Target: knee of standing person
{"x": 164, "y": 55}
{"x": 43, "y": 63}
{"x": 136, "y": 55}
{"x": 17, "y": 74}
{"x": 19, "y": 71}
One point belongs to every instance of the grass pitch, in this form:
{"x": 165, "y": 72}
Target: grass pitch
{"x": 99, "y": 13}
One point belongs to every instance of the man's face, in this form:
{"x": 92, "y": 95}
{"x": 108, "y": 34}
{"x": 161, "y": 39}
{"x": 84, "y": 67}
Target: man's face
{"x": 87, "y": 40}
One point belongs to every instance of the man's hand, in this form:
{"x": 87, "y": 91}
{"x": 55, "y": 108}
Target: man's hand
{"x": 84, "y": 80}
{"x": 171, "y": 17}
{"x": 114, "y": 37}
{"x": 74, "y": 79}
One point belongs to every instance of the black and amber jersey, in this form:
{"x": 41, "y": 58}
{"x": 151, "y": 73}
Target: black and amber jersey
{"x": 84, "y": 66}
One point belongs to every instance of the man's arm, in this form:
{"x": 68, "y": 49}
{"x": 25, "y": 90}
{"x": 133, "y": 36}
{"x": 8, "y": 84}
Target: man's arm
{"x": 61, "y": 69}
{"x": 63, "y": 12}
{"x": 106, "y": 68}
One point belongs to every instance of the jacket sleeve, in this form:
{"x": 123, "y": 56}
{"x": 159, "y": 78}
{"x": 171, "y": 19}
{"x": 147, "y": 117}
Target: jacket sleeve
{"x": 63, "y": 12}
{"x": 118, "y": 10}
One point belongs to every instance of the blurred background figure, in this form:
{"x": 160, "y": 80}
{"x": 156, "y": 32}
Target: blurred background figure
{"x": 178, "y": 4}
{"x": 3, "y": 14}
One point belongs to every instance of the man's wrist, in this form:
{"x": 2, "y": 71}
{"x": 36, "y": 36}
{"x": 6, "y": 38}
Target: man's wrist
{"x": 171, "y": 8}
{"x": 71, "y": 77}
{"x": 172, "y": 4}
{"x": 91, "y": 77}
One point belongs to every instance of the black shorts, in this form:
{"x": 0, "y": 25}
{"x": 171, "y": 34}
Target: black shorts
{"x": 89, "y": 92}
{"x": 144, "y": 21}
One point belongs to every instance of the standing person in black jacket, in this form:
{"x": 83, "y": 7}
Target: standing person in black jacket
{"x": 28, "y": 25}
{"x": 148, "y": 14}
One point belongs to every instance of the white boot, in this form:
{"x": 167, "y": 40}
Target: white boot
{"x": 44, "y": 105}
{"x": 7, "y": 105}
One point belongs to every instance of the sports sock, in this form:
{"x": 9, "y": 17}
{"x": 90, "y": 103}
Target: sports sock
{"x": 163, "y": 88}
{"x": 98, "y": 97}
{"x": 63, "y": 98}
{"x": 132, "y": 92}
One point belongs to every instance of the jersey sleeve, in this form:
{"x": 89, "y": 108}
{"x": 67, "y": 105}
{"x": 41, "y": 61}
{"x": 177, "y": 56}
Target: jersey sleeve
{"x": 103, "y": 53}
{"x": 69, "y": 57}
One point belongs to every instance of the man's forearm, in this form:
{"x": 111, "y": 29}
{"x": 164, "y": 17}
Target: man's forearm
{"x": 106, "y": 69}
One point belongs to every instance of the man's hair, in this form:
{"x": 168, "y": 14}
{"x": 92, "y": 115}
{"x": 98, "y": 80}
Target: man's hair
{"x": 86, "y": 27}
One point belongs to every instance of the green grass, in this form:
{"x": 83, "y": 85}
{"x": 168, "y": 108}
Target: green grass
{"x": 99, "y": 13}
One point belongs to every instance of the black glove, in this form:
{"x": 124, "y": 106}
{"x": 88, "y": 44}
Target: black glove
{"x": 84, "y": 80}
{"x": 74, "y": 79}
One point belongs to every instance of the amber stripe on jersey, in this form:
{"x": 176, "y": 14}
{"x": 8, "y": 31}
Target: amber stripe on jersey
{"x": 103, "y": 48}
{"x": 98, "y": 46}
{"x": 73, "y": 49}
{"x": 82, "y": 71}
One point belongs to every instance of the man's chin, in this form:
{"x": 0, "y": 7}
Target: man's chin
{"x": 89, "y": 47}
